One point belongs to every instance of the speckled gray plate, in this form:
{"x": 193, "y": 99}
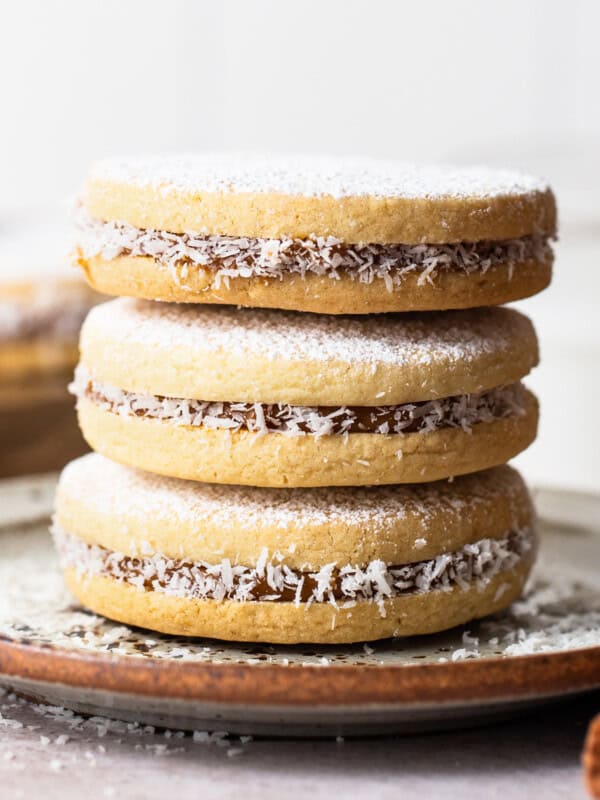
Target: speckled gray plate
{"x": 544, "y": 648}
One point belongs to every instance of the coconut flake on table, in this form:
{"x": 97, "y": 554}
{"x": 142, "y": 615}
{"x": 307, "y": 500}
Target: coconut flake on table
{"x": 16, "y": 713}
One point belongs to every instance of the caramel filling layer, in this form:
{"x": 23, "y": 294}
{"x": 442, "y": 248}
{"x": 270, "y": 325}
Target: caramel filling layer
{"x": 270, "y": 579}
{"x": 460, "y": 411}
{"x": 241, "y": 257}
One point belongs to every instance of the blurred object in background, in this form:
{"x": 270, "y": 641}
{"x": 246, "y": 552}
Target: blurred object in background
{"x": 42, "y": 305}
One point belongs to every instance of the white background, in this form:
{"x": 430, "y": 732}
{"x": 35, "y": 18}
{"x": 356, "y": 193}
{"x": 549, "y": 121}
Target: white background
{"x": 512, "y": 82}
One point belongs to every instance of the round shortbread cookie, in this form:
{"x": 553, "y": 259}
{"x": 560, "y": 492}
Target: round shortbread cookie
{"x": 316, "y": 235}
{"x": 146, "y": 278}
{"x": 39, "y": 325}
{"x": 355, "y": 201}
{"x": 43, "y": 302}
{"x": 277, "y": 460}
{"x": 271, "y": 398}
{"x": 320, "y": 565}
{"x": 286, "y": 623}
{"x": 126, "y": 509}
{"x": 252, "y": 355}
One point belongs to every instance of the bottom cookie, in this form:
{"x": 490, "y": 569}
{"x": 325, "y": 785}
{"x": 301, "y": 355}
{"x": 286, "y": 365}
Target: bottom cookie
{"x": 327, "y": 565}
{"x": 290, "y": 623}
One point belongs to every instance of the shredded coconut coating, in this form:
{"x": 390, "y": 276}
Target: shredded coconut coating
{"x": 242, "y": 257}
{"x": 311, "y": 177}
{"x": 271, "y": 580}
{"x": 462, "y": 411}
{"x": 122, "y": 491}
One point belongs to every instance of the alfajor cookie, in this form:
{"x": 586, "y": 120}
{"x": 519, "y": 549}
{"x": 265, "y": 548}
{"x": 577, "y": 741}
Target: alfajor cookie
{"x": 40, "y": 320}
{"x": 310, "y": 565}
{"x": 326, "y": 236}
{"x": 42, "y": 305}
{"x": 275, "y": 398}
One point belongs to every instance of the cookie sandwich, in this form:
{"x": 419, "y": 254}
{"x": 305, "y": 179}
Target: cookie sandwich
{"x": 326, "y": 236}
{"x": 320, "y": 565}
{"x": 42, "y": 306}
{"x": 274, "y": 398}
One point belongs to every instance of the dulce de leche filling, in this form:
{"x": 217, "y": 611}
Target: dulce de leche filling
{"x": 459, "y": 411}
{"x": 272, "y": 580}
{"x": 243, "y": 257}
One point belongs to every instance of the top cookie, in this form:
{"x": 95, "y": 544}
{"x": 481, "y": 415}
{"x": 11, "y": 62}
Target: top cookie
{"x": 336, "y": 237}
{"x": 355, "y": 201}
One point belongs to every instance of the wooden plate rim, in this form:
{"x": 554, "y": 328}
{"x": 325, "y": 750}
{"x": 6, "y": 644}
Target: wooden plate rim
{"x": 489, "y": 679}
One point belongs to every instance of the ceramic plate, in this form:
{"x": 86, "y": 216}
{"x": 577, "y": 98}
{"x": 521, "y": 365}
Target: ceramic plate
{"x": 545, "y": 648}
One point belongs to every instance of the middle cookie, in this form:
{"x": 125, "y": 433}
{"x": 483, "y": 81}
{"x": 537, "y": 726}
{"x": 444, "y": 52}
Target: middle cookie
{"x": 273, "y": 398}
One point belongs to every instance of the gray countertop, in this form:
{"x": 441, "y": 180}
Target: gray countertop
{"x": 47, "y": 753}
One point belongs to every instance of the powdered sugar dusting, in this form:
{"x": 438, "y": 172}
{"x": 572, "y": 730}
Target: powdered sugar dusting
{"x": 311, "y": 177}
{"x": 125, "y": 492}
{"x": 441, "y": 338}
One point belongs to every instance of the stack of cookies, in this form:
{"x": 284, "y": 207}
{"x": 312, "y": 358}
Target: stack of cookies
{"x": 304, "y": 399}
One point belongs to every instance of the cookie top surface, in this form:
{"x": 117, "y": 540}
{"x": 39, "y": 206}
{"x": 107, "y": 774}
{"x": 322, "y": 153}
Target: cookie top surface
{"x": 257, "y": 355}
{"x": 312, "y": 177}
{"x": 122, "y": 508}
{"x": 357, "y": 200}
